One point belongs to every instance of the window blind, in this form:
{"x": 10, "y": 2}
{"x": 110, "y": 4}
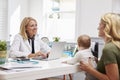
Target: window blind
{"x": 3, "y": 19}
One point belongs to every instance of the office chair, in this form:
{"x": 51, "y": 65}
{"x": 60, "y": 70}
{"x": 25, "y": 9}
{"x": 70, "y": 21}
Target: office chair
{"x": 70, "y": 77}
{"x": 45, "y": 39}
{"x": 95, "y": 49}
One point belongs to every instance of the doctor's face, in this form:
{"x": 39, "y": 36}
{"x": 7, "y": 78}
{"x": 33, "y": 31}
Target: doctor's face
{"x": 31, "y": 28}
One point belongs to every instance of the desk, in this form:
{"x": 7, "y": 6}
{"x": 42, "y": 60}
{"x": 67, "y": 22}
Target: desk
{"x": 48, "y": 69}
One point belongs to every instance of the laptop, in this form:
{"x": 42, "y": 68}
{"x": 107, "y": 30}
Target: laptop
{"x": 57, "y": 49}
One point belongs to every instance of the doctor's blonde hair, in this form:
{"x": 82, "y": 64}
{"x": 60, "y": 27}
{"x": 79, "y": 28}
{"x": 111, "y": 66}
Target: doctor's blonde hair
{"x": 23, "y": 26}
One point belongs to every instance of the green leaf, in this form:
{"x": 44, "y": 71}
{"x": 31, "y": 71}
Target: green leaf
{"x": 3, "y": 45}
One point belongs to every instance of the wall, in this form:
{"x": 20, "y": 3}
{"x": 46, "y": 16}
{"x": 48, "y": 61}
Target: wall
{"x": 116, "y": 6}
{"x": 17, "y": 10}
{"x": 88, "y": 14}
{"x": 36, "y": 11}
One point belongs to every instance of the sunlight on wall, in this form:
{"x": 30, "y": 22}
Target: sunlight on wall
{"x": 15, "y": 22}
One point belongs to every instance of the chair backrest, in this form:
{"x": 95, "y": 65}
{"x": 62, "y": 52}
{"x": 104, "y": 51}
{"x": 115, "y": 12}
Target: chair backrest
{"x": 75, "y": 50}
{"x": 45, "y": 39}
{"x": 95, "y": 49}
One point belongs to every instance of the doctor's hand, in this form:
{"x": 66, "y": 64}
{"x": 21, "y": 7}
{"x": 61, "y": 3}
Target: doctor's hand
{"x": 40, "y": 54}
{"x": 37, "y": 54}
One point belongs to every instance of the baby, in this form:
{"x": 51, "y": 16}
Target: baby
{"x": 84, "y": 52}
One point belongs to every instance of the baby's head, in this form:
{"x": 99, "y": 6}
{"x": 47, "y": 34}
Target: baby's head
{"x": 84, "y": 41}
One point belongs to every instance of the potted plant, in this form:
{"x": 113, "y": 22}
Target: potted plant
{"x": 56, "y": 39}
{"x": 3, "y": 51}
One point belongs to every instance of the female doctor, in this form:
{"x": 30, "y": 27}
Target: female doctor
{"x": 27, "y": 43}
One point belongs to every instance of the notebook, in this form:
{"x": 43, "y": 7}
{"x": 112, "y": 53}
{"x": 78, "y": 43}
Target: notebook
{"x": 57, "y": 49}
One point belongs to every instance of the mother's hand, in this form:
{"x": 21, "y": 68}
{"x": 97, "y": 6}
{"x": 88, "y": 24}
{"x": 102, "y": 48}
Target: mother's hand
{"x": 86, "y": 66}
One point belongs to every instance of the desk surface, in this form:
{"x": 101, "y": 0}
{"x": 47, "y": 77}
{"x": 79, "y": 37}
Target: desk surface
{"x": 47, "y": 69}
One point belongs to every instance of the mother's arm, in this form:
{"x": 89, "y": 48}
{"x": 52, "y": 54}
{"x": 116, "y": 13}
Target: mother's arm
{"x": 112, "y": 72}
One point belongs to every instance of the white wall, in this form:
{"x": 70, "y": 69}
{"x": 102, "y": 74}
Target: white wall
{"x": 17, "y": 10}
{"x": 116, "y": 6}
{"x": 36, "y": 11}
{"x": 88, "y": 14}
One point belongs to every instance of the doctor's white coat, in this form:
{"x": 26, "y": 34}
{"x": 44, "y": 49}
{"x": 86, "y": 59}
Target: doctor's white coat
{"x": 21, "y": 47}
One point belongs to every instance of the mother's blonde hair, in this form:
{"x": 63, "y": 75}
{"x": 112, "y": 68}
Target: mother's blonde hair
{"x": 23, "y": 26}
{"x": 112, "y": 28}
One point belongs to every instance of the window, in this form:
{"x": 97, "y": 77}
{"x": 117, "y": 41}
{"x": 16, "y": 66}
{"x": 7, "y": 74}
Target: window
{"x": 3, "y": 19}
{"x": 59, "y": 19}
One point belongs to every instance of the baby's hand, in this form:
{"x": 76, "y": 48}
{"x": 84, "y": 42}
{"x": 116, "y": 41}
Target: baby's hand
{"x": 64, "y": 62}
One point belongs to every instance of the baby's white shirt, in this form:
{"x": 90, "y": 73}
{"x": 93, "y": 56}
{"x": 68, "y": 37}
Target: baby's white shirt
{"x": 82, "y": 55}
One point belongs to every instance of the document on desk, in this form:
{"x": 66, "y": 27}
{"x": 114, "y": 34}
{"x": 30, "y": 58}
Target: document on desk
{"x": 20, "y": 65}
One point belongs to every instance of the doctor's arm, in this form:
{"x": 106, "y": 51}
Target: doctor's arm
{"x": 14, "y": 49}
{"x": 44, "y": 50}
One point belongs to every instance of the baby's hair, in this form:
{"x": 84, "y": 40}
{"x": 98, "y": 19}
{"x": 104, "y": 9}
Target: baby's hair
{"x": 84, "y": 41}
